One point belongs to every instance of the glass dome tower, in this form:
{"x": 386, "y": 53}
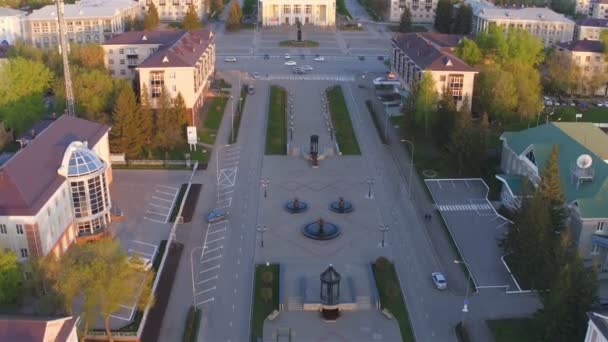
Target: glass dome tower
{"x": 86, "y": 176}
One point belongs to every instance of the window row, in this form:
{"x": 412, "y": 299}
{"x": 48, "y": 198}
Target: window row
{"x": 18, "y": 229}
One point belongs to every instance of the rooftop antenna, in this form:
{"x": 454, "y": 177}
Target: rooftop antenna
{"x": 64, "y": 50}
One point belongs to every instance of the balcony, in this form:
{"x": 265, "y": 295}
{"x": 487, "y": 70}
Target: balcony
{"x": 157, "y": 82}
{"x": 132, "y": 56}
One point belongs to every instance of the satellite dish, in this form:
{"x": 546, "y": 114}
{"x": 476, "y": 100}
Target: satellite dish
{"x": 584, "y": 161}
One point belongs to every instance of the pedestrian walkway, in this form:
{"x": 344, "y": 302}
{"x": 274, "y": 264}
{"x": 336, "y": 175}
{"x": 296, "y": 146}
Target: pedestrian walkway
{"x": 463, "y": 207}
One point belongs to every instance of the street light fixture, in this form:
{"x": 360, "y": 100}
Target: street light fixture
{"x": 409, "y": 182}
{"x": 261, "y": 230}
{"x": 465, "y": 306}
{"x": 383, "y": 229}
{"x": 370, "y": 183}
{"x": 265, "y": 182}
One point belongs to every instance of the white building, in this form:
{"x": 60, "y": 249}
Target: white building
{"x": 87, "y": 21}
{"x": 549, "y": 26}
{"x": 55, "y": 190}
{"x": 600, "y": 9}
{"x": 590, "y": 28}
{"x": 287, "y": 12}
{"x": 174, "y": 10}
{"x": 423, "y": 11}
{"x": 11, "y": 24}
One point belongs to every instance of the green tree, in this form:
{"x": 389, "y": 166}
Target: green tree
{"x": 178, "y": 120}
{"x": 550, "y": 187}
{"x": 151, "y": 18}
{"x": 467, "y": 145}
{"x": 10, "y": 278}
{"x": 94, "y": 91}
{"x": 446, "y": 120}
{"x": 20, "y": 48}
{"x": 562, "y": 74}
{"x": 405, "y": 23}
{"x": 126, "y": 135}
{"x": 563, "y": 6}
{"x": 495, "y": 91}
{"x": 146, "y": 120}
{"x": 5, "y": 136}
{"x": 523, "y": 47}
{"x": 443, "y": 16}
{"x": 469, "y": 52}
{"x": 134, "y": 24}
{"x": 604, "y": 40}
{"x": 529, "y": 90}
{"x": 89, "y": 56}
{"x": 163, "y": 117}
{"x": 425, "y": 102}
{"x": 191, "y": 20}
{"x": 233, "y": 21}
{"x": 216, "y": 6}
{"x": 10, "y": 3}
{"x": 463, "y": 19}
{"x": 102, "y": 276}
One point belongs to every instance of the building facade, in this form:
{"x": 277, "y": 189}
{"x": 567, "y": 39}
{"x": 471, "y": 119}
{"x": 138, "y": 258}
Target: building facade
{"x": 288, "y": 12}
{"x": 415, "y": 54}
{"x": 600, "y": 9}
{"x": 177, "y": 61}
{"x": 547, "y": 25}
{"x": 585, "y": 184}
{"x": 39, "y": 328}
{"x": 55, "y": 190}
{"x": 11, "y": 25}
{"x": 174, "y": 10}
{"x": 590, "y": 28}
{"x": 590, "y": 57}
{"x": 423, "y": 11}
{"x": 87, "y": 21}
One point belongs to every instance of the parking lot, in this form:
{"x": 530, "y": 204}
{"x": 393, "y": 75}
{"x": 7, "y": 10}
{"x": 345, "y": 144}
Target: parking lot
{"x": 475, "y": 227}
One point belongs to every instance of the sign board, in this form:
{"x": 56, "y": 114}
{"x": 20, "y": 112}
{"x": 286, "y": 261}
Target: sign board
{"x": 191, "y": 133}
{"x": 579, "y": 115}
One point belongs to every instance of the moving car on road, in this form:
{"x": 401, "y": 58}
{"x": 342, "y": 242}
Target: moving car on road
{"x": 290, "y": 63}
{"x": 287, "y": 56}
{"x": 230, "y": 59}
{"x": 266, "y": 56}
{"x": 439, "y": 280}
{"x": 307, "y": 68}
{"x": 319, "y": 59}
{"x": 217, "y": 215}
{"x": 361, "y": 58}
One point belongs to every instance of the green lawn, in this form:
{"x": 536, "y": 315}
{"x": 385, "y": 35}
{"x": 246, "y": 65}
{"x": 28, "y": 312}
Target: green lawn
{"x": 295, "y": 43}
{"x": 344, "y": 132}
{"x": 261, "y": 309}
{"x": 593, "y": 114}
{"x": 391, "y": 297}
{"x": 342, "y": 9}
{"x": 276, "y": 131}
{"x": 215, "y": 112}
{"x": 514, "y": 330}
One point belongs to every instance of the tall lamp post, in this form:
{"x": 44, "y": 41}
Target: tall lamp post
{"x": 383, "y": 229}
{"x": 192, "y": 272}
{"x": 370, "y": 183}
{"x": 465, "y": 306}
{"x": 265, "y": 182}
{"x": 409, "y": 182}
{"x": 261, "y": 230}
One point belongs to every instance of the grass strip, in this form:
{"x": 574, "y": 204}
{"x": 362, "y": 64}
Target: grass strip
{"x": 265, "y": 297}
{"x": 514, "y": 329}
{"x": 192, "y": 324}
{"x": 344, "y": 132}
{"x": 295, "y": 43}
{"x": 342, "y": 9}
{"x": 276, "y": 130}
{"x": 373, "y": 113}
{"x": 239, "y": 114}
{"x": 391, "y": 297}
{"x": 178, "y": 201}
{"x": 213, "y": 120}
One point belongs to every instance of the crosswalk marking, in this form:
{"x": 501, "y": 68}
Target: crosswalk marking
{"x": 464, "y": 207}
{"x": 310, "y": 77}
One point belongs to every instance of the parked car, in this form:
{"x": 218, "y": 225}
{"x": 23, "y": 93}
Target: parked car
{"x": 380, "y": 58}
{"x": 250, "y": 90}
{"x": 216, "y": 215}
{"x": 298, "y": 71}
{"x": 548, "y": 103}
{"x": 361, "y": 58}
{"x": 439, "y": 280}
{"x": 266, "y": 56}
{"x": 255, "y": 75}
{"x": 307, "y": 68}
{"x": 230, "y": 59}
{"x": 287, "y": 56}
{"x": 290, "y": 63}
{"x": 319, "y": 59}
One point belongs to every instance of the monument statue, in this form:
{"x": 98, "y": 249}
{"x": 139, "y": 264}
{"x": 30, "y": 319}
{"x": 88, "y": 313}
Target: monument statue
{"x": 299, "y": 26}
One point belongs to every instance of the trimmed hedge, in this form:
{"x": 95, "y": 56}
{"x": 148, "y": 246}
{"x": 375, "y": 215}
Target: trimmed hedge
{"x": 461, "y": 333}
{"x": 192, "y": 324}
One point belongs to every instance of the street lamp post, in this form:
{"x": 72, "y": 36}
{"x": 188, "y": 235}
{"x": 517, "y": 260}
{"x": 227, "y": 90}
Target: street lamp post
{"x": 261, "y": 230}
{"x": 265, "y": 182}
{"x": 192, "y": 272}
{"x": 465, "y": 306}
{"x": 370, "y": 183}
{"x": 383, "y": 229}
{"x": 409, "y": 182}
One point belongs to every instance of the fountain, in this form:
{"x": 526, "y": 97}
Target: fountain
{"x": 296, "y": 206}
{"x": 321, "y": 230}
{"x": 341, "y": 206}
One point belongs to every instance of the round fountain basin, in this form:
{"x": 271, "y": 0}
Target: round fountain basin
{"x": 314, "y": 231}
{"x": 335, "y": 207}
{"x": 302, "y": 207}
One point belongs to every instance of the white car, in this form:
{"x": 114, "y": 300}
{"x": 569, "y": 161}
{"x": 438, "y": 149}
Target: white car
{"x": 256, "y": 75}
{"x": 439, "y": 280}
{"x": 319, "y": 59}
{"x": 307, "y": 68}
{"x": 287, "y": 56}
{"x": 230, "y": 59}
{"x": 290, "y": 63}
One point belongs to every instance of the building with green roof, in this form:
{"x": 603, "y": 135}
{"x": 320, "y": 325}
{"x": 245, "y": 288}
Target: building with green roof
{"x": 583, "y": 167}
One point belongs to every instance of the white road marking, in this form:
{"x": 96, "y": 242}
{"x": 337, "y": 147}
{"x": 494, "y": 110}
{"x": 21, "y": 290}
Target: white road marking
{"x": 210, "y": 269}
{"x": 218, "y": 239}
{"x": 157, "y": 213}
{"x": 211, "y": 259}
{"x": 218, "y": 231}
{"x": 159, "y": 206}
{"x": 166, "y": 193}
{"x": 206, "y": 301}
{"x": 153, "y": 220}
{"x": 162, "y": 199}
{"x": 212, "y": 250}
{"x": 206, "y": 280}
{"x": 205, "y": 290}
{"x": 168, "y": 187}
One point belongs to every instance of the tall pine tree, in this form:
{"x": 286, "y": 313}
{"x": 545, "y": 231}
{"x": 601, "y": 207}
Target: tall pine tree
{"x": 151, "y": 18}
{"x": 125, "y": 136}
{"x": 443, "y": 16}
{"x": 405, "y": 23}
{"x": 146, "y": 119}
{"x": 463, "y": 19}
{"x": 551, "y": 188}
{"x": 191, "y": 20}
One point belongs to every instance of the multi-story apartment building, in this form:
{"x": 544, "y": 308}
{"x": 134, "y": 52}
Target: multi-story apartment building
{"x": 549, "y": 26}
{"x": 178, "y": 61}
{"x": 11, "y": 24}
{"x": 590, "y": 57}
{"x": 590, "y": 28}
{"x": 87, "y": 21}
{"x": 55, "y": 190}
{"x": 583, "y": 168}
{"x": 600, "y": 9}
{"x": 288, "y": 12}
{"x": 415, "y": 54}
{"x": 174, "y": 10}
{"x": 423, "y": 11}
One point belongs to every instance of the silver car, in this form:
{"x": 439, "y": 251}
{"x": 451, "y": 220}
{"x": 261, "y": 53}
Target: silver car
{"x": 439, "y": 280}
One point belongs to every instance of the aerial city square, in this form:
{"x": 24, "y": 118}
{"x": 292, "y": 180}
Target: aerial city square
{"x": 312, "y": 171}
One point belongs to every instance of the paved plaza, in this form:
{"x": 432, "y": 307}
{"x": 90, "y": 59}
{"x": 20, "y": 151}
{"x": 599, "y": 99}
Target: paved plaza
{"x": 475, "y": 227}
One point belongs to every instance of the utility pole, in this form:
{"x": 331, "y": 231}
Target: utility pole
{"x": 64, "y": 50}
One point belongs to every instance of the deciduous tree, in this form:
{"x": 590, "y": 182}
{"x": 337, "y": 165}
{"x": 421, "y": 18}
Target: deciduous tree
{"x": 527, "y": 80}
{"x": 94, "y": 92}
{"x": 88, "y": 56}
{"x": 151, "y": 18}
{"x": 425, "y": 102}
{"x": 10, "y": 278}
{"x": 561, "y": 74}
{"x": 146, "y": 120}
{"x": 496, "y": 91}
{"x": 443, "y": 16}
{"x": 191, "y": 20}
{"x": 233, "y": 21}
{"x": 469, "y": 52}
{"x": 216, "y": 5}
{"x": 446, "y": 118}
{"x": 405, "y": 23}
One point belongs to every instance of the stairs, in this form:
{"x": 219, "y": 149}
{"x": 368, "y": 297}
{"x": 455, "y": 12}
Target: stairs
{"x": 295, "y": 304}
{"x": 363, "y": 303}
